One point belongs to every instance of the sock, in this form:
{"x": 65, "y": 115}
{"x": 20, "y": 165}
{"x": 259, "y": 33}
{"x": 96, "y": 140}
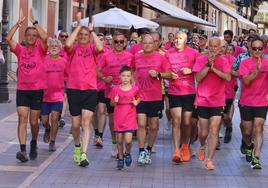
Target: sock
{"x": 23, "y": 147}
{"x": 33, "y": 143}
{"x": 101, "y": 134}
{"x": 52, "y": 141}
{"x": 149, "y": 148}
{"x": 141, "y": 149}
{"x": 96, "y": 132}
{"x": 77, "y": 145}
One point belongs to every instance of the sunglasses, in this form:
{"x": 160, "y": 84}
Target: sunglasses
{"x": 257, "y": 48}
{"x": 63, "y": 36}
{"x": 119, "y": 41}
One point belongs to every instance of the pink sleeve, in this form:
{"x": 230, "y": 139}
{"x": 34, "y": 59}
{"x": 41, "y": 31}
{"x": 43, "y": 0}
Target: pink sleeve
{"x": 114, "y": 92}
{"x": 94, "y": 49}
{"x": 17, "y": 50}
{"x": 137, "y": 93}
{"x": 199, "y": 64}
{"x": 41, "y": 49}
{"x": 102, "y": 62}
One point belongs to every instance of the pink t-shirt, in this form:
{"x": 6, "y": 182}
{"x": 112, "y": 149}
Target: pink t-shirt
{"x": 31, "y": 72}
{"x": 168, "y": 45}
{"x": 64, "y": 54}
{"x": 229, "y": 90}
{"x": 211, "y": 89}
{"x": 150, "y": 88}
{"x": 125, "y": 111}
{"x": 55, "y": 72}
{"x": 135, "y": 49}
{"x": 255, "y": 93}
{"x": 82, "y": 72}
{"x": 100, "y": 83}
{"x": 184, "y": 84}
{"x": 110, "y": 66}
{"x": 238, "y": 51}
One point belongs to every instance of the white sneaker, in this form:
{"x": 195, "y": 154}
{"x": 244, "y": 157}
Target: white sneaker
{"x": 114, "y": 151}
{"x": 221, "y": 135}
{"x": 148, "y": 159}
{"x": 142, "y": 158}
{"x": 192, "y": 150}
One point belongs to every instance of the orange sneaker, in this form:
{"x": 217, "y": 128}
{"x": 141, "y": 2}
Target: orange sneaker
{"x": 185, "y": 152}
{"x": 209, "y": 165}
{"x": 176, "y": 156}
{"x": 201, "y": 154}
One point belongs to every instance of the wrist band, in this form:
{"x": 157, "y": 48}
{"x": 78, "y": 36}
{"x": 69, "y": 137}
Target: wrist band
{"x": 35, "y": 22}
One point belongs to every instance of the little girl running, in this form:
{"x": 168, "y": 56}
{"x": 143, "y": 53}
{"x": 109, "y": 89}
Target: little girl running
{"x": 125, "y": 98}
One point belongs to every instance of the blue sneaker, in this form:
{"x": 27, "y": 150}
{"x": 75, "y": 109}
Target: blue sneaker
{"x": 128, "y": 159}
{"x": 142, "y": 158}
{"x": 120, "y": 164}
{"x": 249, "y": 153}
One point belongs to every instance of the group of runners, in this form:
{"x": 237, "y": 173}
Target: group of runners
{"x": 196, "y": 82}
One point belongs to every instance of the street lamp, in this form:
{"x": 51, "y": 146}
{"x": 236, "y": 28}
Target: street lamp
{"x": 4, "y": 95}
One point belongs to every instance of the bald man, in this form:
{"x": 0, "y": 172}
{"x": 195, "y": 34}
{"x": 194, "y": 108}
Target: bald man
{"x": 150, "y": 67}
{"x": 211, "y": 71}
{"x": 181, "y": 95}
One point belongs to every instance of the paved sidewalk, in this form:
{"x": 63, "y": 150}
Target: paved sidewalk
{"x": 231, "y": 168}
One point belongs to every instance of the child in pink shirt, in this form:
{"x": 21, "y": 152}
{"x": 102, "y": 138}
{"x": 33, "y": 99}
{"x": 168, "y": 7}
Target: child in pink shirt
{"x": 125, "y": 98}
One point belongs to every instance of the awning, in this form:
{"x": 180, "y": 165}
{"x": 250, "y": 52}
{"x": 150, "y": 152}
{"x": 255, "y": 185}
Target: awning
{"x": 174, "y": 16}
{"x": 242, "y": 22}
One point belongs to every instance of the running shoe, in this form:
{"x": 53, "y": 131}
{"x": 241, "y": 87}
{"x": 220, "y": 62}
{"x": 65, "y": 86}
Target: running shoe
{"x": 243, "y": 147}
{"x": 255, "y": 163}
{"x": 185, "y": 152}
{"x": 83, "y": 160}
{"x": 22, "y": 156}
{"x": 209, "y": 165}
{"x": 176, "y": 156}
{"x": 148, "y": 158}
{"x": 120, "y": 164}
{"x": 46, "y": 136}
{"x": 192, "y": 150}
{"x": 228, "y": 135}
{"x": 218, "y": 147}
{"x": 76, "y": 155}
{"x": 61, "y": 122}
{"x": 128, "y": 159}
{"x": 249, "y": 153}
{"x": 201, "y": 154}
{"x": 33, "y": 151}
{"x": 142, "y": 158}
{"x": 51, "y": 147}
{"x": 99, "y": 142}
